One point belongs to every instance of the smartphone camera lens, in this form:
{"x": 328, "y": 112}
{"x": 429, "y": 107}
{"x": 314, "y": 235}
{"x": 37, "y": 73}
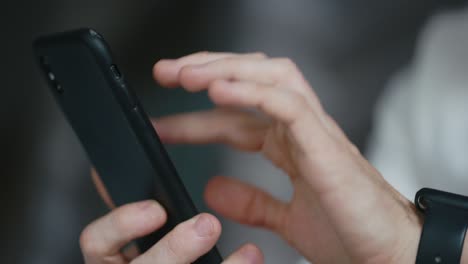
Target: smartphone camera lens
{"x": 59, "y": 88}
{"x": 51, "y": 76}
{"x": 115, "y": 71}
{"x": 93, "y": 33}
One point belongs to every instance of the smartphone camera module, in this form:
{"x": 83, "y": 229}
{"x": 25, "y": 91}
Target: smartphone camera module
{"x": 50, "y": 74}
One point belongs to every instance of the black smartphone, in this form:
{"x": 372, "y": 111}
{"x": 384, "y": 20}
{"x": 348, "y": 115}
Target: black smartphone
{"x": 113, "y": 128}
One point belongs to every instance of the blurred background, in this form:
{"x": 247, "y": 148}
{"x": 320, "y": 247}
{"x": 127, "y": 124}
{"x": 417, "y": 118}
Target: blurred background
{"x": 348, "y": 50}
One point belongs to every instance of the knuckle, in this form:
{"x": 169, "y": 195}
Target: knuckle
{"x": 294, "y": 101}
{"x": 120, "y": 221}
{"x": 295, "y": 98}
{"x": 185, "y": 77}
{"x": 287, "y": 64}
{"x": 173, "y": 247}
{"x": 230, "y": 60}
{"x": 286, "y": 68}
{"x": 184, "y": 70}
{"x": 260, "y": 55}
{"x": 253, "y": 209}
{"x": 202, "y": 53}
{"x": 287, "y": 104}
{"x": 297, "y": 106}
{"x": 179, "y": 243}
{"x": 217, "y": 84}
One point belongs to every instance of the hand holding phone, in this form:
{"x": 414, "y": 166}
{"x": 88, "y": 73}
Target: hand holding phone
{"x": 101, "y": 240}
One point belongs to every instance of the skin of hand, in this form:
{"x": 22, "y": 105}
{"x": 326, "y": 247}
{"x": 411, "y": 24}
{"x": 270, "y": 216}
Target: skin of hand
{"x": 102, "y": 241}
{"x": 342, "y": 210}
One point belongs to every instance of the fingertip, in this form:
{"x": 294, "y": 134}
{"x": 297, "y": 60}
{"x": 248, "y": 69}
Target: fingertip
{"x": 147, "y": 215}
{"x": 153, "y": 207}
{"x": 215, "y": 182}
{"x": 212, "y": 190}
{"x": 164, "y": 73}
{"x": 158, "y": 125}
{"x": 248, "y": 253}
{"x": 157, "y": 69}
{"x": 167, "y": 129}
{"x": 252, "y": 253}
{"x": 207, "y": 226}
{"x": 190, "y": 79}
{"x": 186, "y": 242}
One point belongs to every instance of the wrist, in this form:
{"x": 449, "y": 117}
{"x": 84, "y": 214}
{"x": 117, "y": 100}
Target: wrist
{"x": 406, "y": 235}
{"x": 413, "y": 235}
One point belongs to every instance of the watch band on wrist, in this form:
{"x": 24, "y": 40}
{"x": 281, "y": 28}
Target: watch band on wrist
{"x": 445, "y": 225}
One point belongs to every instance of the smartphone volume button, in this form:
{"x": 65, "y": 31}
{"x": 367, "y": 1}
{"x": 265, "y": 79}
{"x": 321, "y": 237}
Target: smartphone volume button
{"x": 118, "y": 77}
{"x": 130, "y": 97}
{"x": 128, "y": 94}
{"x": 115, "y": 72}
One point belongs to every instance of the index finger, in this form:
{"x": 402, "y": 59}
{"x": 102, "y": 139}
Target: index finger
{"x": 102, "y": 190}
{"x": 166, "y": 71}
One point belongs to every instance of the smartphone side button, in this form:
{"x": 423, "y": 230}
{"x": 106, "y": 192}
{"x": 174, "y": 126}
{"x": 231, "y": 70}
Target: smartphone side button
{"x": 123, "y": 86}
{"x": 115, "y": 72}
{"x": 130, "y": 97}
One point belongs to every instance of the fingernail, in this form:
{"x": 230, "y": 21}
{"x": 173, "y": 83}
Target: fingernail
{"x": 203, "y": 226}
{"x": 145, "y": 205}
{"x": 165, "y": 65}
{"x": 195, "y": 68}
{"x": 223, "y": 84}
{"x": 250, "y": 254}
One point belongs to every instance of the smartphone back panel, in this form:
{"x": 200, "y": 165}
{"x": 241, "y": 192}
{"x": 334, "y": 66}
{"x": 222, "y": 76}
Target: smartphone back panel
{"x": 112, "y": 127}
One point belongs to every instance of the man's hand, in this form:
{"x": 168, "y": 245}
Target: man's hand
{"x": 342, "y": 211}
{"x": 102, "y": 240}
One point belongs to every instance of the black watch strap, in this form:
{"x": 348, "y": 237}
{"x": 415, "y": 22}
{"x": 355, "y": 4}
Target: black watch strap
{"x": 445, "y": 225}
